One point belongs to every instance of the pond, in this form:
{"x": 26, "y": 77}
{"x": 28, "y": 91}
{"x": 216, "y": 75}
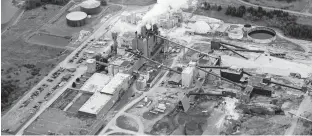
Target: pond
{"x": 261, "y": 34}
{"x": 46, "y": 39}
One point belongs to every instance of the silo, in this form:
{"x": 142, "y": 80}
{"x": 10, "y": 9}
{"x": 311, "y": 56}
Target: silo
{"x": 91, "y": 7}
{"x": 76, "y": 19}
{"x": 246, "y": 29}
{"x": 91, "y": 63}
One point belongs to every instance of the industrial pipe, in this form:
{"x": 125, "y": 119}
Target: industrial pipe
{"x": 216, "y": 67}
{"x": 220, "y": 77}
{"x": 244, "y": 50}
{"x": 234, "y": 52}
{"x": 186, "y": 47}
{"x": 233, "y": 45}
{"x": 161, "y": 65}
{"x": 286, "y": 85}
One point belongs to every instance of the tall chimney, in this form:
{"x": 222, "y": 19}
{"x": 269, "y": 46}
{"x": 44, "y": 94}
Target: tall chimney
{"x": 137, "y": 40}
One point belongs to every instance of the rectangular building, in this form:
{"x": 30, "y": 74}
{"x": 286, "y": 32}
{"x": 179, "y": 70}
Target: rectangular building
{"x": 96, "y": 83}
{"x": 101, "y": 102}
{"x": 187, "y": 76}
{"x": 97, "y": 104}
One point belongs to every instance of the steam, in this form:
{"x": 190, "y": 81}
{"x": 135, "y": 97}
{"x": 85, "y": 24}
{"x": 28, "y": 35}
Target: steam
{"x": 162, "y": 6}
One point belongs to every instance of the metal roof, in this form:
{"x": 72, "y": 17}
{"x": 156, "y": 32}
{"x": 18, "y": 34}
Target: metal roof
{"x": 96, "y": 82}
{"x": 95, "y": 103}
{"x": 76, "y": 16}
{"x": 116, "y": 81}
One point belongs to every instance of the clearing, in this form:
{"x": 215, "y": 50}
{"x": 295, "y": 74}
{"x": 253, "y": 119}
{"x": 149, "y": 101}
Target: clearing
{"x": 16, "y": 54}
{"x": 296, "y": 5}
{"x": 134, "y": 2}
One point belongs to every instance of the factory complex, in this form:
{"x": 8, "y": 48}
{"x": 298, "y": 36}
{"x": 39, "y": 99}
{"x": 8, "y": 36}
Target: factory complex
{"x": 162, "y": 71}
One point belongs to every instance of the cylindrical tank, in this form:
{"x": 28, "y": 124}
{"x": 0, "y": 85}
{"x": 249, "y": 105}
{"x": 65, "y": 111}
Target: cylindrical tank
{"x": 91, "y": 7}
{"x": 91, "y": 64}
{"x": 76, "y": 19}
{"x": 246, "y": 29}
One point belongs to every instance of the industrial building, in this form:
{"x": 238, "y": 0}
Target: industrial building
{"x": 91, "y": 64}
{"x": 91, "y": 7}
{"x": 76, "y": 18}
{"x": 131, "y": 18}
{"x": 126, "y": 64}
{"x": 101, "y": 102}
{"x": 188, "y": 76}
{"x": 234, "y": 75}
{"x": 259, "y": 87}
{"x": 96, "y": 83}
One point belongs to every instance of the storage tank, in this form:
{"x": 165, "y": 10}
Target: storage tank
{"x": 91, "y": 7}
{"x": 76, "y": 18}
{"x": 91, "y": 64}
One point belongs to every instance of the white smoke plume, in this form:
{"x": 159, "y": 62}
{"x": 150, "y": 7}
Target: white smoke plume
{"x": 161, "y": 7}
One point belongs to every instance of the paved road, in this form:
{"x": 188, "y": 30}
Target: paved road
{"x": 64, "y": 63}
{"x": 270, "y": 8}
{"x": 80, "y": 71}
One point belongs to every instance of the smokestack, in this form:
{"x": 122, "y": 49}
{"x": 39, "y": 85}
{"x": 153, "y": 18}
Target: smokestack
{"x": 136, "y": 37}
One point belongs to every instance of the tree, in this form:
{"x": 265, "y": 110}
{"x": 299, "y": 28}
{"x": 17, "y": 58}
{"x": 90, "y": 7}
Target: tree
{"x": 219, "y": 8}
{"x": 74, "y": 85}
{"x": 77, "y": 79}
{"x": 103, "y": 2}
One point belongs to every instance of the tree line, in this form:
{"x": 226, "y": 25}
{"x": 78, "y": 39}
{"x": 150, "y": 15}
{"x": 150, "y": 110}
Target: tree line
{"x": 275, "y": 18}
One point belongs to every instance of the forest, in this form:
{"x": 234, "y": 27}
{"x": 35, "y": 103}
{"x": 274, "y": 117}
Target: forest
{"x": 275, "y": 18}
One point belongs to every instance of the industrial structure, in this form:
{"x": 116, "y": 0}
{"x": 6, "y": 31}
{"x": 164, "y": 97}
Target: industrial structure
{"x": 101, "y": 101}
{"x": 76, "y": 18}
{"x": 91, "y": 7}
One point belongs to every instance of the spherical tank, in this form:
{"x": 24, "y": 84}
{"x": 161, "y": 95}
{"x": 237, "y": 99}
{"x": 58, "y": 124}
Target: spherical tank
{"x": 91, "y": 7}
{"x": 76, "y": 19}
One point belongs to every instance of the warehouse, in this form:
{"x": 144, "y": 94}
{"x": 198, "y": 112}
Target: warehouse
{"x": 101, "y": 102}
{"x": 91, "y": 7}
{"x": 76, "y": 19}
{"x": 96, "y": 83}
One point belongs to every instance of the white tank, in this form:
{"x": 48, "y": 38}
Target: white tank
{"x": 91, "y": 63}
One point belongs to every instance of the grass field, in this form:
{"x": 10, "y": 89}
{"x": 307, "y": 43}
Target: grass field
{"x": 16, "y": 52}
{"x": 298, "y": 5}
{"x": 134, "y": 2}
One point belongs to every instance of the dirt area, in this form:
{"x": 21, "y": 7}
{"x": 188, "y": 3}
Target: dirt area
{"x": 262, "y": 125}
{"x": 16, "y": 54}
{"x": 286, "y": 45}
{"x": 134, "y": 2}
{"x": 79, "y": 102}
{"x": 305, "y": 21}
{"x": 127, "y": 123}
{"x": 56, "y": 121}
{"x": 296, "y": 5}
{"x": 62, "y": 101}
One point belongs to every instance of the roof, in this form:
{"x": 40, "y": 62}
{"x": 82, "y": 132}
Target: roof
{"x": 96, "y": 82}
{"x": 90, "y": 4}
{"x": 188, "y": 70}
{"x": 116, "y": 82}
{"x": 76, "y": 16}
{"x": 95, "y": 103}
{"x": 254, "y": 80}
{"x": 175, "y": 78}
{"x": 233, "y": 71}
